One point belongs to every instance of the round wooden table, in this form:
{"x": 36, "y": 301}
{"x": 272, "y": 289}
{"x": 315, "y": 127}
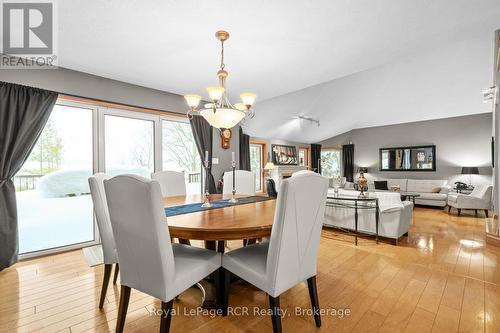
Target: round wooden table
{"x": 218, "y": 225}
{"x": 245, "y": 221}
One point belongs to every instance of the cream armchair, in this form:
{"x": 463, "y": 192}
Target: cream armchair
{"x": 480, "y": 198}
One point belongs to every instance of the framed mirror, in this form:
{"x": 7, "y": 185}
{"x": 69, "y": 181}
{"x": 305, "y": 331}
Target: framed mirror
{"x": 417, "y": 158}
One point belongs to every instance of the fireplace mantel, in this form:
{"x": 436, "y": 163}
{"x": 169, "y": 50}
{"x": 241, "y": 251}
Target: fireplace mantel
{"x": 281, "y": 172}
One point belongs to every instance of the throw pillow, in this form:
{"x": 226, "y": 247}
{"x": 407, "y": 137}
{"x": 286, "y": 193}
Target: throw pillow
{"x": 436, "y": 190}
{"x": 381, "y": 185}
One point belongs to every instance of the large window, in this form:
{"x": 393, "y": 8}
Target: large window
{"x": 303, "y": 156}
{"x": 180, "y": 153}
{"x": 256, "y": 164}
{"x": 129, "y": 145}
{"x": 53, "y": 201}
{"x": 55, "y": 210}
{"x": 330, "y": 163}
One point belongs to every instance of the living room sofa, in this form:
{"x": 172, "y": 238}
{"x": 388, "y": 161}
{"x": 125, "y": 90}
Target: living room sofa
{"x": 395, "y": 216}
{"x": 432, "y": 192}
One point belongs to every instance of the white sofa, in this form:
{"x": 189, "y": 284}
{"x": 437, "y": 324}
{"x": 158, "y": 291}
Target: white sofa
{"x": 423, "y": 187}
{"x": 395, "y": 216}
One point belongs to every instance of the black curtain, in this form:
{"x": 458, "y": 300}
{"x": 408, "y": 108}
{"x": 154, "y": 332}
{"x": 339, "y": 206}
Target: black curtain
{"x": 23, "y": 114}
{"x": 244, "y": 151}
{"x": 316, "y": 157}
{"x": 203, "y": 136}
{"x": 348, "y": 162}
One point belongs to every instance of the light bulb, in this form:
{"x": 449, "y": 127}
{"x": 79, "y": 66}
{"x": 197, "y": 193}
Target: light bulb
{"x": 248, "y": 98}
{"x": 192, "y": 100}
{"x": 215, "y": 93}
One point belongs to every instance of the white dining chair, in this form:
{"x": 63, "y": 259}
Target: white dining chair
{"x": 149, "y": 262}
{"x": 245, "y": 182}
{"x": 96, "y": 183}
{"x": 172, "y": 183}
{"x": 289, "y": 256}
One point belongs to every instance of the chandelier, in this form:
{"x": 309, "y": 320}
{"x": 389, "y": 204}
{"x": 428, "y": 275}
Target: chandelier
{"x": 220, "y": 113}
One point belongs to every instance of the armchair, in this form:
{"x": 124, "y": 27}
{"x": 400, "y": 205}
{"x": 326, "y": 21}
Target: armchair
{"x": 480, "y": 198}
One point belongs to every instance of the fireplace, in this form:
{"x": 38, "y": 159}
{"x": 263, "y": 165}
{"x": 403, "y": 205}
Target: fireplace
{"x": 281, "y": 172}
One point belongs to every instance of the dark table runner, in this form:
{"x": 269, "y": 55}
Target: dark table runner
{"x": 196, "y": 207}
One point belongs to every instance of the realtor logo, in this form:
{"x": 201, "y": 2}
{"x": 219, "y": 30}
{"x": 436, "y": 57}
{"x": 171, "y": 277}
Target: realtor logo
{"x": 28, "y": 30}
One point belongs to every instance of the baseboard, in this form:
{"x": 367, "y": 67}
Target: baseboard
{"x": 492, "y": 231}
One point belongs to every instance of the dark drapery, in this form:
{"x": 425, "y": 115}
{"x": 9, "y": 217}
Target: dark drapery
{"x": 244, "y": 151}
{"x": 316, "y": 157}
{"x": 348, "y": 162}
{"x": 203, "y": 136}
{"x": 23, "y": 114}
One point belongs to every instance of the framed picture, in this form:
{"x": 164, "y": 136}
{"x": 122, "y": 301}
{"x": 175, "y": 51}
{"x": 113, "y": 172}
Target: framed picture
{"x": 284, "y": 155}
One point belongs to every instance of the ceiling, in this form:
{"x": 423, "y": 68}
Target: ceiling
{"x": 276, "y": 47}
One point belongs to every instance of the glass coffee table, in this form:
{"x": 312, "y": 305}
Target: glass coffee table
{"x": 409, "y": 196}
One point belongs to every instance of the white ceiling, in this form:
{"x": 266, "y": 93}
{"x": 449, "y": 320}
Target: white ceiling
{"x": 276, "y": 47}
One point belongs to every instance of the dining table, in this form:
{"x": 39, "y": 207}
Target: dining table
{"x": 215, "y": 226}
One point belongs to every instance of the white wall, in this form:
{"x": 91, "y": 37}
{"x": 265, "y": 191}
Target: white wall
{"x": 444, "y": 82}
{"x": 460, "y": 141}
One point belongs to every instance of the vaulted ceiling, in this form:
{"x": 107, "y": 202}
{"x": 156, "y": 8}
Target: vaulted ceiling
{"x": 276, "y": 47}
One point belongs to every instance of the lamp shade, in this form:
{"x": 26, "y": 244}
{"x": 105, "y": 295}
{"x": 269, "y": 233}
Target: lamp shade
{"x": 362, "y": 170}
{"x": 470, "y": 171}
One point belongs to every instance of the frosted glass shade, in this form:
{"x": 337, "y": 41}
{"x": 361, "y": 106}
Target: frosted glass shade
{"x": 240, "y": 106}
{"x": 248, "y": 98}
{"x": 192, "y": 100}
{"x": 215, "y": 92}
{"x": 223, "y": 117}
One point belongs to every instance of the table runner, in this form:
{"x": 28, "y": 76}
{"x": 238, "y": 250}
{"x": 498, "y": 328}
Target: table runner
{"x": 196, "y": 207}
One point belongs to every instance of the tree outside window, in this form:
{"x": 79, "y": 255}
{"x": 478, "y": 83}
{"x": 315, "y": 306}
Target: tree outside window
{"x": 330, "y": 163}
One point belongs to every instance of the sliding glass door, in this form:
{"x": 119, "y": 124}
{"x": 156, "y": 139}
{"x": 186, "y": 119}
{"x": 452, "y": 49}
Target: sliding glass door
{"x": 179, "y": 152}
{"x": 55, "y": 210}
{"x": 53, "y": 201}
{"x": 129, "y": 143}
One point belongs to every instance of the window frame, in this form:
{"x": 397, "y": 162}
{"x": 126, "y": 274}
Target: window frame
{"x": 263, "y": 146}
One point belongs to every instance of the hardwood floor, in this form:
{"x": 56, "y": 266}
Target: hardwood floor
{"x": 442, "y": 278}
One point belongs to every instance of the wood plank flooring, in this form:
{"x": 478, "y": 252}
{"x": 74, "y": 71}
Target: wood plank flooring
{"x": 442, "y": 278}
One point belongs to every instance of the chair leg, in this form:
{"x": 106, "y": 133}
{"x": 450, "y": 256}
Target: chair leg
{"x": 122, "y": 309}
{"x": 486, "y": 213}
{"x": 105, "y": 283}
{"x": 313, "y": 295}
{"x": 274, "y": 305}
{"x": 475, "y": 212}
{"x": 459, "y": 211}
{"x": 184, "y": 241}
{"x": 166, "y": 316}
{"x": 117, "y": 269}
{"x": 449, "y": 209}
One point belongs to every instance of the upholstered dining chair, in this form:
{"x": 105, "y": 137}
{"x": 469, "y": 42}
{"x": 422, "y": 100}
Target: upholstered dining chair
{"x": 149, "y": 262}
{"x": 289, "y": 256}
{"x": 96, "y": 183}
{"x": 172, "y": 183}
{"x": 245, "y": 182}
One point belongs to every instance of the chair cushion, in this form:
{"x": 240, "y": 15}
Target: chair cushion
{"x": 249, "y": 263}
{"x": 424, "y": 185}
{"x": 191, "y": 263}
{"x": 452, "y": 197}
{"x": 380, "y": 185}
{"x": 432, "y": 196}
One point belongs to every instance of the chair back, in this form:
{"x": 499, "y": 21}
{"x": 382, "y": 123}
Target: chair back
{"x": 298, "y": 220}
{"x": 302, "y": 172}
{"x": 172, "y": 183}
{"x": 96, "y": 183}
{"x": 141, "y": 234}
{"x": 245, "y": 182}
{"x": 482, "y": 192}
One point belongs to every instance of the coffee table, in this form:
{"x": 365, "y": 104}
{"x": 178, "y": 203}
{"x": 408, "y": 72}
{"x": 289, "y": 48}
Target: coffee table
{"x": 409, "y": 196}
